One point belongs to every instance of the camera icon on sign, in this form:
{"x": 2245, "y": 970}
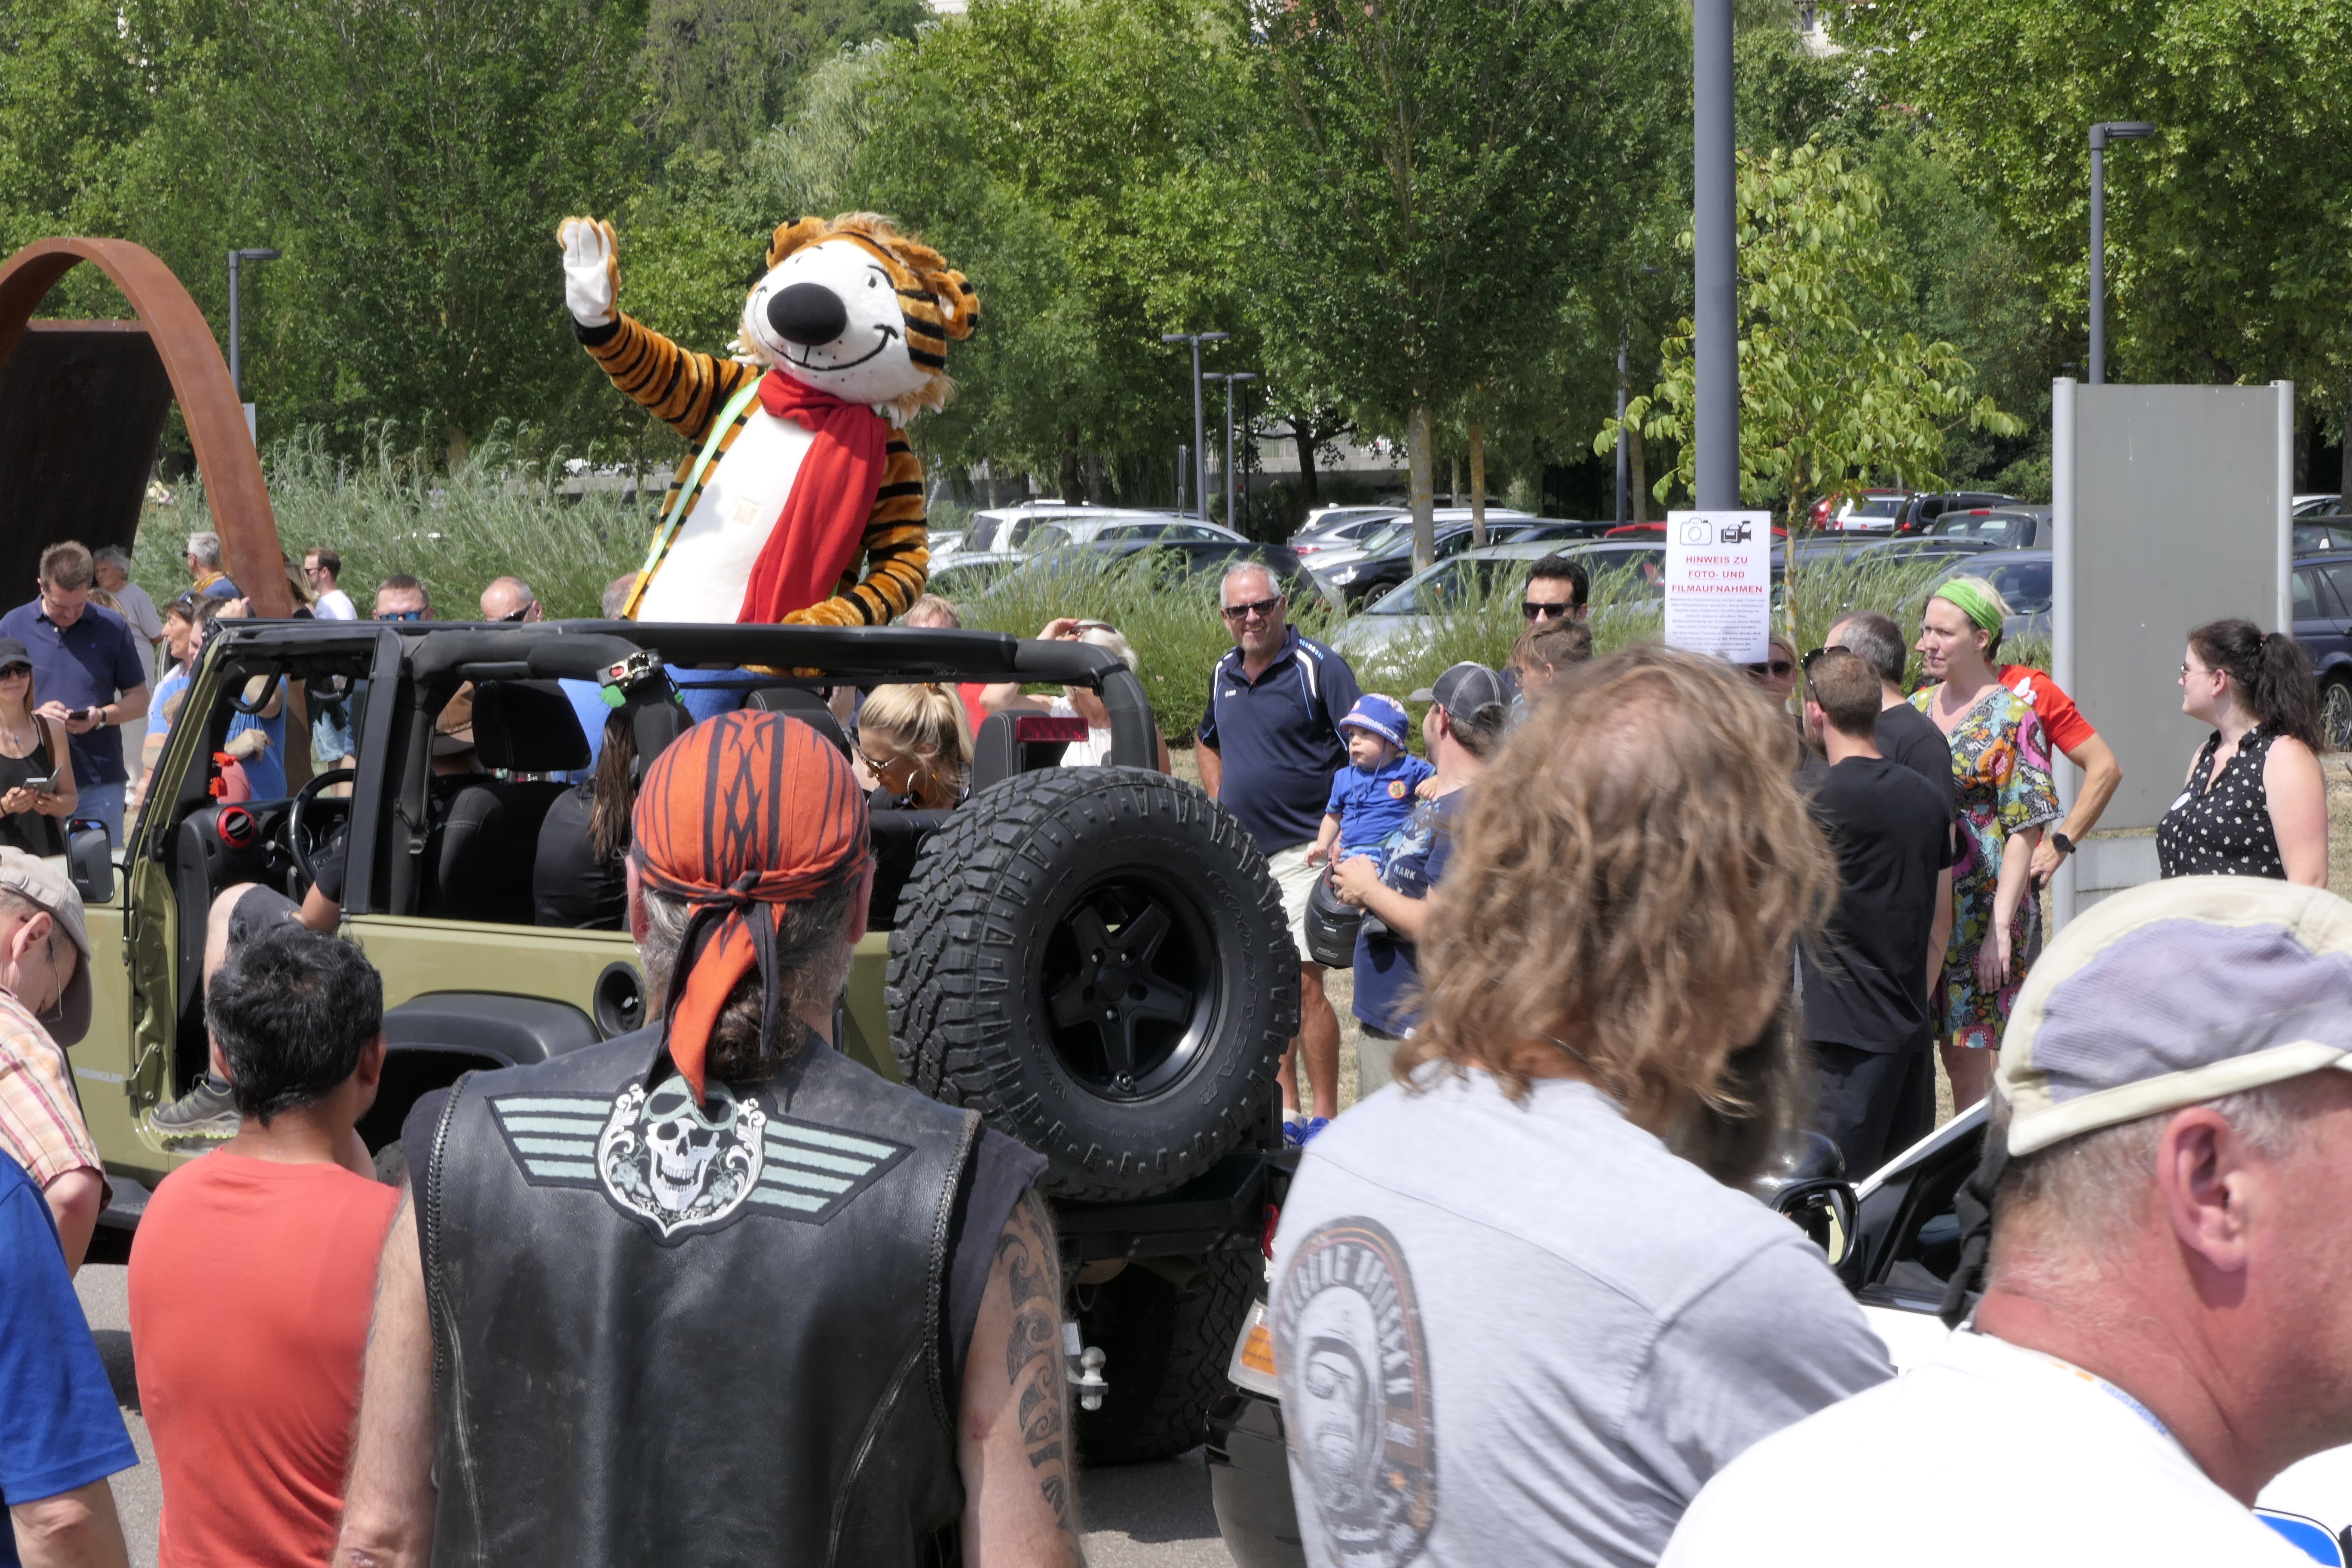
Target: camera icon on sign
{"x": 1738, "y": 533}
{"x": 1698, "y": 533}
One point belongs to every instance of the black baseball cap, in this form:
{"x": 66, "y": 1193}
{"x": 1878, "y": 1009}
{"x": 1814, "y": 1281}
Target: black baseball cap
{"x": 1467, "y": 692}
{"x": 13, "y": 652}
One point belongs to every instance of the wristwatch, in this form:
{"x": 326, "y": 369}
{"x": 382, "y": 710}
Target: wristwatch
{"x": 2066, "y": 844}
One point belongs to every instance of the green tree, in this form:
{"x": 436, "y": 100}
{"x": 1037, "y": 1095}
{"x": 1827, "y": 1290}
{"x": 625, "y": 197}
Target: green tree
{"x": 1434, "y": 175}
{"x": 2229, "y": 239}
{"x": 1828, "y": 402}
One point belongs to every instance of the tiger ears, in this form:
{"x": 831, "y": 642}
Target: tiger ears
{"x": 958, "y": 306}
{"x": 794, "y": 235}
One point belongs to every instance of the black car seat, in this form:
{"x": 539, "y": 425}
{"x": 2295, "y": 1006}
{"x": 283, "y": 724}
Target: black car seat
{"x": 998, "y": 751}
{"x": 801, "y": 703}
{"x": 485, "y": 833}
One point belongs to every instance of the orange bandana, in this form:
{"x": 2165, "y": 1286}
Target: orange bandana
{"x": 742, "y": 811}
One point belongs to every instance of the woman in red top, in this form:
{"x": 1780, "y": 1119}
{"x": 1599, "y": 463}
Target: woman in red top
{"x": 2072, "y": 735}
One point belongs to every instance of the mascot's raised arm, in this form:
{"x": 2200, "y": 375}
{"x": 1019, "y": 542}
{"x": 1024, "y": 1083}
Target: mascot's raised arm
{"x": 800, "y": 500}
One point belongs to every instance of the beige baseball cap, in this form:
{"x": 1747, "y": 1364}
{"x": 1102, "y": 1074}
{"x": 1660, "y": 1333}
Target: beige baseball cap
{"x": 2173, "y": 993}
{"x": 46, "y": 886}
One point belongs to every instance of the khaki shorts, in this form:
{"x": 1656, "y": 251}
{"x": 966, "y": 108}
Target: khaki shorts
{"x": 1296, "y": 879}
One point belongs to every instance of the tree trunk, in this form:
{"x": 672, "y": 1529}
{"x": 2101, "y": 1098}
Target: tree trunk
{"x": 1477, "y": 483}
{"x": 456, "y": 445}
{"x": 1454, "y": 481}
{"x": 1641, "y": 476}
{"x": 1072, "y": 478}
{"x": 2343, "y": 479}
{"x": 1303, "y": 434}
{"x": 1418, "y": 462}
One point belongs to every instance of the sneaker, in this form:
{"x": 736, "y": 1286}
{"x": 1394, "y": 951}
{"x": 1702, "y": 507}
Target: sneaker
{"x": 1296, "y": 1134}
{"x": 205, "y": 1112}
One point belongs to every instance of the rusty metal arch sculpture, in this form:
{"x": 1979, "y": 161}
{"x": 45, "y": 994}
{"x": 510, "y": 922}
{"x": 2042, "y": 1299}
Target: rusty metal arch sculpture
{"x": 183, "y": 341}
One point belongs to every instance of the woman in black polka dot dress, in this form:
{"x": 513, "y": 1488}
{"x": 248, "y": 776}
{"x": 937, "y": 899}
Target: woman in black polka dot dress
{"x": 2255, "y": 804}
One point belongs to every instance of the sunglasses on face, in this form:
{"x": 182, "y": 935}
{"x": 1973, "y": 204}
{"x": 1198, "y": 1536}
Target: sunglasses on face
{"x": 516, "y": 615}
{"x": 17, "y": 672}
{"x": 1255, "y": 609}
{"x": 1779, "y": 669}
{"x": 400, "y": 615}
{"x": 1538, "y": 610}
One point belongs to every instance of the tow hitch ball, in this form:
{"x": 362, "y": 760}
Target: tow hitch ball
{"x": 1082, "y": 1367}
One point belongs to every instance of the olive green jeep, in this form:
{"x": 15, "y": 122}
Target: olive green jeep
{"x": 1096, "y": 958}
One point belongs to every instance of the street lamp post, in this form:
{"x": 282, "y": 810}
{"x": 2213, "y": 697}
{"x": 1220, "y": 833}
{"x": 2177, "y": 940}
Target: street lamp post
{"x": 1200, "y": 428}
{"x": 1716, "y": 256}
{"x": 2102, "y": 133}
{"x": 235, "y": 360}
{"x": 1624, "y": 448}
{"x": 1230, "y": 377}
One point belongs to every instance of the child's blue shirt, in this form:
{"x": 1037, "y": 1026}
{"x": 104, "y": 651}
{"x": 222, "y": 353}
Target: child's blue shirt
{"x": 1371, "y": 807}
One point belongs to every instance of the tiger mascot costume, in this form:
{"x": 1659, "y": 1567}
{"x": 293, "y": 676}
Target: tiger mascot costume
{"x": 800, "y": 500}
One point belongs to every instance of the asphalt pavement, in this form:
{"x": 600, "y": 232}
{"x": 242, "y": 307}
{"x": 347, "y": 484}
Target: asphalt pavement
{"x": 1138, "y": 1516}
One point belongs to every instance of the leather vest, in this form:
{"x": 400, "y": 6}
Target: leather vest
{"x": 692, "y": 1335}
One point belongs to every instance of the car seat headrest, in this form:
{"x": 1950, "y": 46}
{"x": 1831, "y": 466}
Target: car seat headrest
{"x": 527, "y": 727}
{"x": 802, "y": 704}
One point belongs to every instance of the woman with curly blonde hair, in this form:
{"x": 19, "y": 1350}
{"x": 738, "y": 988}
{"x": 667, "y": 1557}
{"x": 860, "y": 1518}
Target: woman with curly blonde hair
{"x": 1537, "y": 1232}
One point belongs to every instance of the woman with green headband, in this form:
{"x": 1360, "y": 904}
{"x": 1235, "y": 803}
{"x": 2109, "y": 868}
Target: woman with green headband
{"x": 2000, "y": 766}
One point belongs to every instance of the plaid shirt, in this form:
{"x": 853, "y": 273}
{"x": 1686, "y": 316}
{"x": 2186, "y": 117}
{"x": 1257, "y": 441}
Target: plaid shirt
{"x": 41, "y": 1124}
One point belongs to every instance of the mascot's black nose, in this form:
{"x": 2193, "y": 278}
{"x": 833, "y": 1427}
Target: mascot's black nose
{"x": 807, "y": 314}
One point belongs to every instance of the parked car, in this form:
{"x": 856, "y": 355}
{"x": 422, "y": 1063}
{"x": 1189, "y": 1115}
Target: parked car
{"x": 1410, "y": 611}
{"x": 1004, "y": 534}
{"x": 1872, "y": 512}
{"x": 1925, "y": 507}
{"x": 1385, "y": 539}
{"x": 2323, "y": 534}
{"x": 1181, "y": 559}
{"x": 1333, "y": 525}
{"x": 2003, "y": 528}
{"x": 1818, "y": 549}
{"x": 1905, "y": 1243}
{"x": 2317, "y": 505}
{"x": 2321, "y": 585}
{"x": 1361, "y": 580}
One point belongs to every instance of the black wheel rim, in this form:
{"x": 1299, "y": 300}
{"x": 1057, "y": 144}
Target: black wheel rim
{"x": 1126, "y": 980}
{"x": 2336, "y": 715}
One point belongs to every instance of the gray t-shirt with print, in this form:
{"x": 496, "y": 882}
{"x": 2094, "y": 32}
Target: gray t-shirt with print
{"x": 1525, "y": 1332}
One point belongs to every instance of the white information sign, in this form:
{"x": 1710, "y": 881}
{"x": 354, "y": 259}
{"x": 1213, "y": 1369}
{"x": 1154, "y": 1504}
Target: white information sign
{"x": 1719, "y": 584}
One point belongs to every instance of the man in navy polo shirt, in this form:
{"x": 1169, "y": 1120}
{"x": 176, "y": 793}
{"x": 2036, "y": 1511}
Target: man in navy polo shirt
{"x": 1270, "y": 742}
{"x": 90, "y": 672}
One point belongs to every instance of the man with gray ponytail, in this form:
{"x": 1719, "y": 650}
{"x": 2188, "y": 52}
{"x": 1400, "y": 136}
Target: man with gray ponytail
{"x": 2255, "y": 804}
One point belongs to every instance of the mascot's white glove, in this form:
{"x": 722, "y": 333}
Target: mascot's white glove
{"x": 592, "y": 270}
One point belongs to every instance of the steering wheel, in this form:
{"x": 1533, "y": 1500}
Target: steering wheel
{"x": 298, "y": 813}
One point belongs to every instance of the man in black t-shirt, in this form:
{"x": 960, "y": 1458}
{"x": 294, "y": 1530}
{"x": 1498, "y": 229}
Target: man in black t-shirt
{"x": 1903, "y": 734}
{"x": 1865, "y": 987}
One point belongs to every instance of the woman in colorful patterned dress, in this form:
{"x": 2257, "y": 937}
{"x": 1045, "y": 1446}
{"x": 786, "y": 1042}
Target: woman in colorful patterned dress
{"x": 2000, "y": 764}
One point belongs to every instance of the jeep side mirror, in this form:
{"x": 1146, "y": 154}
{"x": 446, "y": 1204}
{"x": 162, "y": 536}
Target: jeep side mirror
{"x": 89, "y": 864}
{"x": 1824, "y": 1207}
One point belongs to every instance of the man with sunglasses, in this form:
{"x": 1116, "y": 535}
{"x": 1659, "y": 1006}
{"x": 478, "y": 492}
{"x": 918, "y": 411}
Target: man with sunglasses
{"x": 1557, "y": 589}
{"x": 401, "y": 597}
{"x": 511, "y": 599}
{"x": 90, "y": 670}
{"x": 1270, "y": 743}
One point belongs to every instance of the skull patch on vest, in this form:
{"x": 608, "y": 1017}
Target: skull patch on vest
{"x": 679, "y": 1165}
{"x": 682, "y": 1169}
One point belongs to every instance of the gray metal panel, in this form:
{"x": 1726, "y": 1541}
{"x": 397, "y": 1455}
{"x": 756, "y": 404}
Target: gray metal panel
{"x": 2175, "y": 512}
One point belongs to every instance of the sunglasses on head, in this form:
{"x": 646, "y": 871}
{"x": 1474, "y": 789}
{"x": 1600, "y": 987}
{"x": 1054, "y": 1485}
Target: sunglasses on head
{"x": 1257, "y": 608}
{"x": 1538, "y": 610}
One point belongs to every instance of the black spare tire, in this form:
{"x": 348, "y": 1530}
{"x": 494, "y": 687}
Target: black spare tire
{"x": 1096, "y": 960}
{"x": 1167, "y": 1328}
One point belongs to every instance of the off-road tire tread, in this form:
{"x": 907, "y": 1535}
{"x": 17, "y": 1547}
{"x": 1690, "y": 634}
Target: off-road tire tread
{"x": 1208, "y": 1322}
{"x": 954, "y": 959}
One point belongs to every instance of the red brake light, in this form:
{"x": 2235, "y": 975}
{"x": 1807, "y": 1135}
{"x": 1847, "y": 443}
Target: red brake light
{"x": 1265, "y": 1233}
{"x": 1046, "y": 728}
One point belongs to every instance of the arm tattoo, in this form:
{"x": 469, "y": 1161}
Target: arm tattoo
{"x": 1032, "y": 1352}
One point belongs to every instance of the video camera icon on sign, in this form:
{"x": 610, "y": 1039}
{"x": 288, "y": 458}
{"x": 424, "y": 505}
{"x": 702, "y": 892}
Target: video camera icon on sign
{"x": 1698, "y": 532}
{"x": 1736, "y": 533}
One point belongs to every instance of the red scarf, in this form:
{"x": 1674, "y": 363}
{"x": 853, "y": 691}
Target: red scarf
{"x": 824, "y": 522}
